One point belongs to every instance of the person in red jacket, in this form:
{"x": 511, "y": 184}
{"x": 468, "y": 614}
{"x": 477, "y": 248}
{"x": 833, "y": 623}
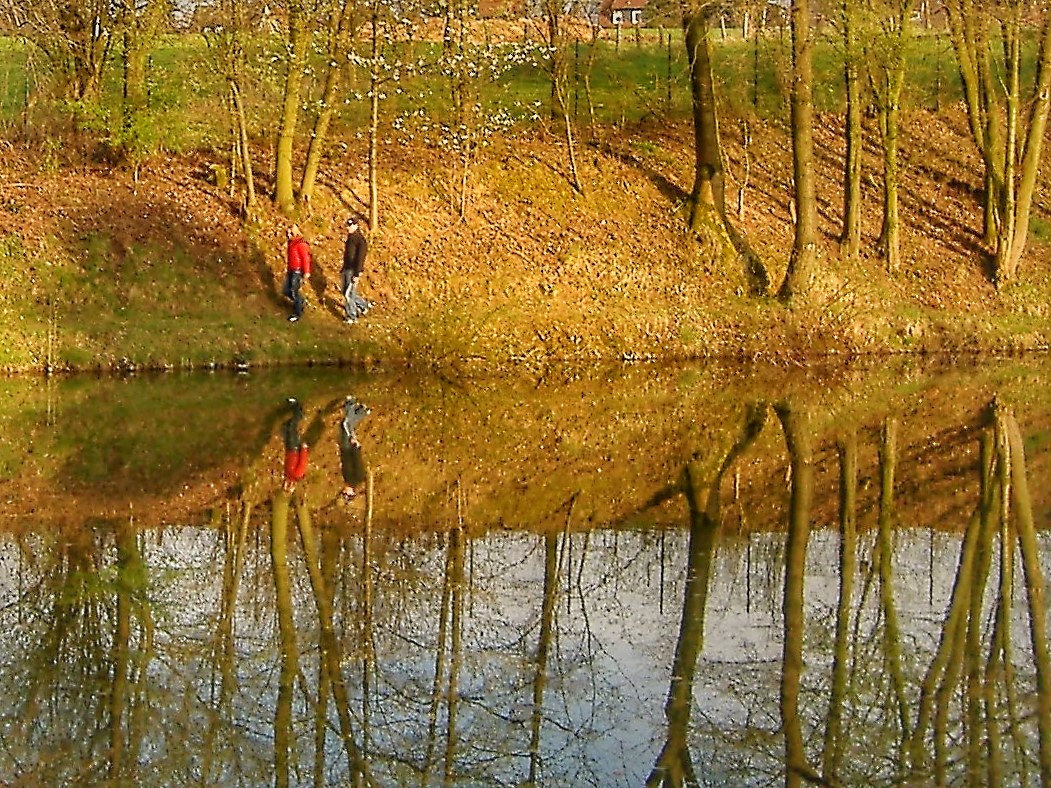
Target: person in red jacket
{"x": 298, "y": 270}
{"x": 297, "y": 452}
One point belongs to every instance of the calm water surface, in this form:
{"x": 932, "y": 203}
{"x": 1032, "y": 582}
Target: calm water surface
{"x": 645, "y": 576}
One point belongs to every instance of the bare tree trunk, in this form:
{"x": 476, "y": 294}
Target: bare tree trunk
{"x": 802, "y": 261}
{"x": 296, "y": 42}
{"x": 889, "y": 243}
{"x": 243, "y": 149}
{"x": 374, "y": 120}
{"x": 1032, "y": 152}
{"x": 336, "y": 55}
{"x": 559, "y": 65}
{"x": 850, "y": 236}
{"x": 1009, "y": 140}
{"x": 708, "y": 195}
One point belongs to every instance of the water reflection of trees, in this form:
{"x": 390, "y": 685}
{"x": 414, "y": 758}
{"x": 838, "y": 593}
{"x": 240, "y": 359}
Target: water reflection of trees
{"x": 272, "y": 646}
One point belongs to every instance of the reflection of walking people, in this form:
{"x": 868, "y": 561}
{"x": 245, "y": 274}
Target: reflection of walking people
{"x": 354, "y": 252}
{"x": 350, "y": 461}
{"x": 298, "y": 270}
{"x": 297, "y": 453}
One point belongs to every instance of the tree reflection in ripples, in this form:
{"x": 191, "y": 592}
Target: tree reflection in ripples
{"x": 647, "y": 576}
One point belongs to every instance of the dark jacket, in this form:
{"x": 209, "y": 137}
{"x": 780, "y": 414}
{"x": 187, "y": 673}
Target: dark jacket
{"x": 354, "y": 253}
{"x": 351, "y": 464}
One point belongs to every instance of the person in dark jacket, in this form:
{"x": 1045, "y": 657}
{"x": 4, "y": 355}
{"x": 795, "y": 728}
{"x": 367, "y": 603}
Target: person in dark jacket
{"x": 299, "y": 264}
{"x": 351, "y": 464}
{"x": 354, "y": 251}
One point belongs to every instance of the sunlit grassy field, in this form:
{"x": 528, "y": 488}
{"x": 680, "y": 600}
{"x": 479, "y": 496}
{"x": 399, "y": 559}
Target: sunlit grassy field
{"x": 610, "y": 83}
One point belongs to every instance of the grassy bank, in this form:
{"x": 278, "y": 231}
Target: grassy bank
{"x": 162, "y": 272}
{"x": 146, "y": 262}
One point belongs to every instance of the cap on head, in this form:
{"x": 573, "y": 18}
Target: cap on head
{"x": 294, "y": 230}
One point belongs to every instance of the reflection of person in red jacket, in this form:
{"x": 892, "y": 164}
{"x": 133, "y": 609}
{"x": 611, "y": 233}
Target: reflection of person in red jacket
{"x": 297, "y": 453}
{"x": 298, "y": 270}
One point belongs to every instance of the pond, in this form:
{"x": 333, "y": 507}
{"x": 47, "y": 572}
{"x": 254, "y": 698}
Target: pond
{"x": 645, "y": 575}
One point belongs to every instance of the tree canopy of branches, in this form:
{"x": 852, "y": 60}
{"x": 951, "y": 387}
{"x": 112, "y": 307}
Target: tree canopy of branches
{"x": 1007, "y": 115}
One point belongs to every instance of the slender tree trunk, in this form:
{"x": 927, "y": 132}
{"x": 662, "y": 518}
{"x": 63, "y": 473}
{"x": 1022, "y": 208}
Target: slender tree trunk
{"x": 336, "y": 56}
{"x": 889, "y": 243}
{"x": 560, "y": 104}
{"x": 850, "y": 236}
{"x": 374, "y": 121}
{"x": 134, "y": 55}
{"x": 243, "y": 149}
{"x": 317, "y": 138}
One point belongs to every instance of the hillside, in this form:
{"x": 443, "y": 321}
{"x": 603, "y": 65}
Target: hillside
{"x": 155, "y": 268}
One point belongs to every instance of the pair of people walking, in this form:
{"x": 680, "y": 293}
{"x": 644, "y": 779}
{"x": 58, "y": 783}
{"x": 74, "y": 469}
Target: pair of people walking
{"x": 299, "y": 264}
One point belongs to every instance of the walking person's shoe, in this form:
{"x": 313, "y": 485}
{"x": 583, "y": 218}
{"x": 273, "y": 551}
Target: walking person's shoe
{"x": 293, "y": 318}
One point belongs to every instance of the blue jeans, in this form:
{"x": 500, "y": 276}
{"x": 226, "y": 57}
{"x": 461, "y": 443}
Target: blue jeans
{"x": 355, "y": 304}
{"x": 293, "y": 285}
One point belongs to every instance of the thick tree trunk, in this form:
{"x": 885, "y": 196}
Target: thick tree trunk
{"x": 708, "y": 193}
{"x": 803, "y": 259}
{"x": 284, "y": 195}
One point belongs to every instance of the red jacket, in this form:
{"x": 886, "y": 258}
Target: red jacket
{"x": 296, "y": 463}
{"x": 298, "y": 255}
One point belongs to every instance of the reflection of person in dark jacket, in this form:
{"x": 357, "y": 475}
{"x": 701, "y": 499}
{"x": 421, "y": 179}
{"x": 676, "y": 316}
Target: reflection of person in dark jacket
{"x": 297, "y": 453}
{"x": 350, "y": 461}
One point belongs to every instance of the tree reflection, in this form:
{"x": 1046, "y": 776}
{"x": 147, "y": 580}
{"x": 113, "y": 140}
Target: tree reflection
{"x": 83, "y": 706}
{"x": 1013, "y": 455}
{"x": 289, "y": 649}
{"x": 834, "y": 745}
{"x": 674, "y": 765}
{"x": 796, "y": 428}
{"x": 281, "y": 637}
